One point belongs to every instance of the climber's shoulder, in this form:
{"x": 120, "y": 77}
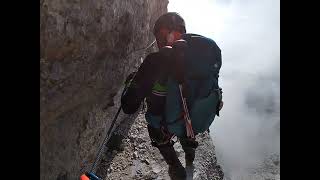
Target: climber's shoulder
{"x": 157, "y": 59}
{"x": 151, "y": 61}
{"x": 152, "y": 57}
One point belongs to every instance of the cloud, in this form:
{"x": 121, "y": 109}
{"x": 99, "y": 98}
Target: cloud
{"x": 248, "y": 130}
{"x": 248, "y": 33}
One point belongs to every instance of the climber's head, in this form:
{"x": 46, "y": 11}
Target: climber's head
{"x": 168, "y": 28}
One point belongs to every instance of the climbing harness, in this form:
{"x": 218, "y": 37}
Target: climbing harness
{"x": 167, "y": 137}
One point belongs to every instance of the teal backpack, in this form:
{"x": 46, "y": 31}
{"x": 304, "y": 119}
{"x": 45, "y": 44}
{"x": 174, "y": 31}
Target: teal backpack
{"x": 197, "y": 65}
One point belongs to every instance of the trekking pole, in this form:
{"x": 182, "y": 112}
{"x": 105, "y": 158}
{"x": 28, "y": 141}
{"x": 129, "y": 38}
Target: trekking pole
{"x": 186, "y": 115}
{"x": 91, "y": 175}
{"x": 105, "y": 140}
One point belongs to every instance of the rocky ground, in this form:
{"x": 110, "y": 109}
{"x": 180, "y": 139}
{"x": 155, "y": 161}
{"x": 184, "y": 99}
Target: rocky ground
{"x": 131, "y": 156}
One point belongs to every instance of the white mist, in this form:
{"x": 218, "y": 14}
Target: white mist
{"x": 248, "y": 33}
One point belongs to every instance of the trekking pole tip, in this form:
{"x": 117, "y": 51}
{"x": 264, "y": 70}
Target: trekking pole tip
{"x": 84, "y": 177}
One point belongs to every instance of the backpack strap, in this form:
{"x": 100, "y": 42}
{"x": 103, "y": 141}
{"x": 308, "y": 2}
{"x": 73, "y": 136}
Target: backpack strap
{"x": 180, "y": 47}
{"x": 187, "y": 118}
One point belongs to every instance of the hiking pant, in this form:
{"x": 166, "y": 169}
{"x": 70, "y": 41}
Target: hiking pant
{"x": 166, "y": 149}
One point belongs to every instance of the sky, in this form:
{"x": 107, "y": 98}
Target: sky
{"x": 248, "y": 33}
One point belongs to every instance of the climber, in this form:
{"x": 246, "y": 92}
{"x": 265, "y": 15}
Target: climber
{"x": 150, "y": 83}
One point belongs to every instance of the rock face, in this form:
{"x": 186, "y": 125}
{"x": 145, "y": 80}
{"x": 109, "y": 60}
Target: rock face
{"x": 87, "y": 48}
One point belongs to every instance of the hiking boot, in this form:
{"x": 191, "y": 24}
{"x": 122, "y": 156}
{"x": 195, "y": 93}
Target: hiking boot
{"x": 189, "y": 151}
{"x": 189, "y": 160}
{"x": 177, "y": 172}
{"x": 189, "y": 156}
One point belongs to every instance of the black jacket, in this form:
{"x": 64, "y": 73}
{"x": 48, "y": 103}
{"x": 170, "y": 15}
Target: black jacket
{"x": 154, "y": 67}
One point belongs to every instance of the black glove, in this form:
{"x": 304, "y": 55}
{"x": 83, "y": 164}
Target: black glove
{"x": 129, "y": 101}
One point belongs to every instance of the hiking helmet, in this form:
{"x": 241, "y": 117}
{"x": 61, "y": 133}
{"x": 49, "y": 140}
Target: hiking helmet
{"x": 171, "y": 21}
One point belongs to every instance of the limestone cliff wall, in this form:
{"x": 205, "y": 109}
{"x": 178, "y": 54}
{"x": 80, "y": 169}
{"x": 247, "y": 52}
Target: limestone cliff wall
{"x": 86, "y": 50}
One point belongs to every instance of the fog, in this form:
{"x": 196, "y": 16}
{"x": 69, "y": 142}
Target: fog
{"x": 248, "y": 33}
